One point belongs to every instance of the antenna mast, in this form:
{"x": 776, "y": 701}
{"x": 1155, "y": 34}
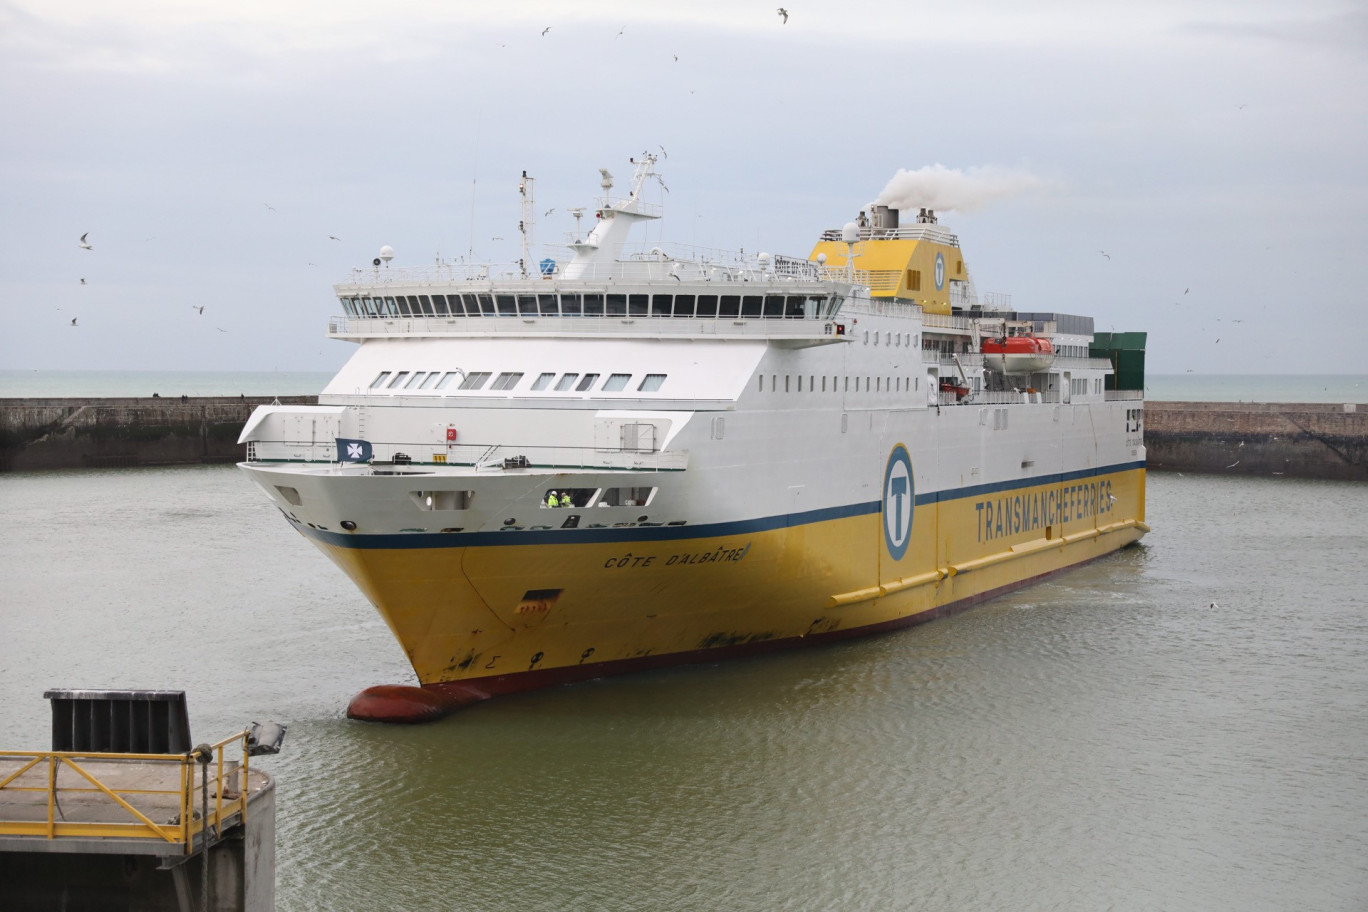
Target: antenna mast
{"x": 525, "y": 225}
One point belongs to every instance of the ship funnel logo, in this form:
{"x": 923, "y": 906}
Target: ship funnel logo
{"x": 940, "y": 272}
{"x": 897, "y": 502}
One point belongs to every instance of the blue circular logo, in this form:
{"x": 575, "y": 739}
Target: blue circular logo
{"x": 897, "y": 502}
{"x": 940, "y": 272}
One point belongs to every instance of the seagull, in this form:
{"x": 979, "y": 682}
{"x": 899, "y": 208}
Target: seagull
{"x": 620, "y": 31}
{"x": 783, "y": 14}
{"x": 84, "y": 244}
{"x": 545, "y": 30}
{"x": 1214, "y": 605}
{"x": 548, "y": 211}
{"x": 676, "y": 58}
{"x": 73, "y": 321}
{"x": 82, "y": 281}
{"x": 1105, "y": 254}
{"x": 333, "y": 237}
{"x": 1233, "y": 464}
{"x": 220, "y": 329}
{"x": 269, "y": 206}
{"x": 199, "y": 307}
{"x": 663, "y": 152}
{"x": 496, "y": 239}
{"x": 1186, "y": 290}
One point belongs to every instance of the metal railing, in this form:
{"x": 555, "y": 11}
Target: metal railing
{"x": 422, "y": 457}
{"x": 569, "y": 326}
{"x": 34, "y": 785}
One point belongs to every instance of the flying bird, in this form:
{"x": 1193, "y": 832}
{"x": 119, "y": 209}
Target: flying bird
{"x": 663, "y": 152}
{"x": 82, "y": 281}
{"x": 220, "y": 329}
{"x": 676, "y": 58}
{"x": 620, "y": 31}
{"x": 783, "y": 14}
{"x": 1105, "y": 254}
{"x": 84, "y": 244}
{"x": 269, "y": 206}
{"x": 545, "y": 30}
{"x": 1186, "y": 290}
{"x": 199, "y": 307}
{"x": 333, "y": 237}
{"x": 1233, "y": 464}
{"x": 73, "y": 321}
{"x": 548, "y": 211}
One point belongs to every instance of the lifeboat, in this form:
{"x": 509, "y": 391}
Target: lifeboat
{"x": 1017, "y": 354}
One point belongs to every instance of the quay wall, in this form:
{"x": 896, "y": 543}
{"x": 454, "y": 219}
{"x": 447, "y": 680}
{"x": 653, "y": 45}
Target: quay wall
{"x": 119, "y": 432}
{"x": 1300, "y": 440}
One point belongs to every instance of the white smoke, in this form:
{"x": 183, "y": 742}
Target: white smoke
{"x": 950, "y": 189}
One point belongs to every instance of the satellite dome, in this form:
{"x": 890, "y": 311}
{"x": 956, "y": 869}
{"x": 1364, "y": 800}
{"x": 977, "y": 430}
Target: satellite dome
{"x": 387, "y": 253}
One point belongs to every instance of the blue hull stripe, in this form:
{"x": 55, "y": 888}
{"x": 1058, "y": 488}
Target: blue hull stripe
{"x": 584, "y": 535}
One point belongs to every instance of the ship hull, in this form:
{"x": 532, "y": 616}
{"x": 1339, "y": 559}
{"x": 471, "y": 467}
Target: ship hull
{"x": 477, "y": 617}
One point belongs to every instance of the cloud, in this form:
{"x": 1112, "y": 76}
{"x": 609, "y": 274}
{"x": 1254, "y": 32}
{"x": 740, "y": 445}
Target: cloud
{"x": 950, "y": 189}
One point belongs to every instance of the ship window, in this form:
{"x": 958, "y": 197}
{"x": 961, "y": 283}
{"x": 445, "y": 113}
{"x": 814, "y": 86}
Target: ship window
{"x": 959, "y": 267}
{"x": 847, "y": 384}
{"x": 914, "y": 280}
{"x": 572, "y": 305}
{"x": 542, "y": 381}
{"x": 399, "y": 379}
{"x": 639, "y": 305}
{"x": 866, "y": 337}
{"x": 707, "y": 305}
{"x": 800, "y": 383}
{"x": 729, "y": 306}
{"x": 796, "y": 308}
{"x": 774, "y": 383}
{"x": 474, "y": 381}
{"x": 368, "y": 306}
{"x": 626, "y": 497}
{"x": 593, "y": 305}
{"x": 486, "y": 304}
{"x": 527, "y": 305}
{"x": 774, "y": 306}
{"x": 683, "y": 305}
{"x": 417, "y": 379}
{"x": 651, "y": 383}
{"x": 446, "y": 379}
{"x": 878, "y": 384}
{"x": 588, "y": 381}
{"x": 426, "y": 303}
{"x": 824, "y": 383}
{"x": 508, "y": 305}
{"x": 616, "y": 382}
{"x": 506, "y": 381}
{"x": 380, "y": 380}
{"x": 616, "y": 305}
{"x": 547, "y": 304}
{"x": 566, "y": 382}
{"x": 786, "y": 383}
{"x": 432, "y": 379}
{"x": 439, "y": 304}
{"x": 876, "y": 338}
{"x": 761, "y": 388}
{"x": 661, "y": 305}
{"x": 402, "y": 303}
{"x": 442, "y": 500}
{"x": 389, "y": 306}
{"x": 752, "y": 306}
{"x": 457, "y": 305}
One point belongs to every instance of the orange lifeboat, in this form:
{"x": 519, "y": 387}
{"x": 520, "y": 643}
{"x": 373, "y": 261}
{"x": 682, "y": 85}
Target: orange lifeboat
{"x": 1017, "y": 354}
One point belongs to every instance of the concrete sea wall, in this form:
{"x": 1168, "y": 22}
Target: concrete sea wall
{"x": 109, "y": 433}
{"x": 1302, "y": 440}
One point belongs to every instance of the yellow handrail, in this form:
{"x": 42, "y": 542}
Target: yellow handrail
{"x": 180, "y": 830}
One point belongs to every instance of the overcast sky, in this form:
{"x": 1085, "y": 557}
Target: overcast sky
{"x": 1215, "y": 151}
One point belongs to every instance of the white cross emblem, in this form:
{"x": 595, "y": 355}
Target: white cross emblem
{"x": 354, "y": 451}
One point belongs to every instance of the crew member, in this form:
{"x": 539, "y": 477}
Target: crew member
{"x": 565, "y": 500}
{"x": 551, "y": 499}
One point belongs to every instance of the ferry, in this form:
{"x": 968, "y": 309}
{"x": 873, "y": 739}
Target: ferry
{"x": 628, "y": 458}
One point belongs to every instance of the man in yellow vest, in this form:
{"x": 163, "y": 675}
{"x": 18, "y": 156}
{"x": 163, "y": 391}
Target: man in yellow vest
{"x": 551, "y": 499}
{"x": 565, "y": 500}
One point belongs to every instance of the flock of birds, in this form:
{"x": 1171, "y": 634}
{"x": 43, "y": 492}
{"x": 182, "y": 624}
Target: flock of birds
{"x": 86, "y": 245}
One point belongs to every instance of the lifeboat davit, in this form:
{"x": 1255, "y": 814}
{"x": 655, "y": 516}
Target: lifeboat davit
{"x": 1017, "y": 354}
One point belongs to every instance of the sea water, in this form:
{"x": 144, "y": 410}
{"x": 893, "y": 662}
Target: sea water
{"x": 1180, "y": 725}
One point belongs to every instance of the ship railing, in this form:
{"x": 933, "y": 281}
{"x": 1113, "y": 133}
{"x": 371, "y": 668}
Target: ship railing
{"x": 416, "y": 456}
{"x": 915, "y": 232}
{"x": 156, "y": 798}
{"x": 815, "y": 327}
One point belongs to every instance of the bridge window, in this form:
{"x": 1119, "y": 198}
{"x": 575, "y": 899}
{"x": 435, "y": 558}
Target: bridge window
{"x": 507, "y": 304}
{"x": 707, "y": 306}
{"x": 796, "y": 307}
{"x": 729, "y": 306}
{"x": 486, "y": 302}
{"x": 616, "y": 382}
{"x": 617, "y": 305}
{"x": 638, "y": 305}
{"x": 542, "y": 381}
{"x": 752, "y": 306}
{"x": 474, "y": 381}
{"x": 588, "y": 381}
{"x": 572, "y": 305}
{"x": 774, "y": 307}
{"x": 527, "y": 305}
{"x": 380, "y": 380}
{"x": 593, "y": 305}
{"x": 651, "y": 383}
{"x": 683, "y": 305}
{"x": 547, "y": 305}
{"x": 661, "y": 305}
{"x": 566, "y": 382}
{"x": 506, "y": 381}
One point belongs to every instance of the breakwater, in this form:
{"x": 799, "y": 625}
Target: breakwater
{"x": 1302, "y": 440}
{"x": 119, "y": 432}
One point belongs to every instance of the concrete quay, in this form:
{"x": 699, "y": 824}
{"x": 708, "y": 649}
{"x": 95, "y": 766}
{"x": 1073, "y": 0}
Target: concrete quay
{"x": 1296, "y": 439}
{"x": 123, "y": 432}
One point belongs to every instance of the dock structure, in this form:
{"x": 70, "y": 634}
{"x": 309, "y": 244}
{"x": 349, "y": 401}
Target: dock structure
{"x": 122, "y": 813}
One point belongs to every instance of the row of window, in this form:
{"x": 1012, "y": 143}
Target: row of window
{"x": 875, "y": 384}
{"x": 565, "y": 304}
{"x": 476, "y": 380}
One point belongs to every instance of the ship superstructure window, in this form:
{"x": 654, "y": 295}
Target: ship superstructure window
{"x": 474, "y": 381}
{"x": 752, "y": 306}
{"x": 593, "y": 305}
{"x": 683, "y": 305}
{"x": 543, "y": 381}
{"x": 706, "y": 306}
{"x": 572, "y": 305}
{"x": 431, "y": 380}
{"x": 380, "y": 380}
{"x": 616, "y": 382}
{"x": 729, "y": 306}
{"x": 588, "y": 381}
{"x": 506, "y": 381}
{"x": 661, "y": 305}
{"x": 547, "y": 305}
{"x": 446, "y": 379}
{"x": 416, "y": 381}
{"x": 617, "y": 305}
{"x": 567, "y": 381}
{"x": 651, "y": 383}
{"x": 507, "y": 305}
{"x": 399, "y": 379}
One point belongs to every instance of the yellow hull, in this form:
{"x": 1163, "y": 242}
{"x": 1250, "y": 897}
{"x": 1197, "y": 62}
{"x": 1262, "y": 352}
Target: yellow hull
{"x": 490, "y": 617}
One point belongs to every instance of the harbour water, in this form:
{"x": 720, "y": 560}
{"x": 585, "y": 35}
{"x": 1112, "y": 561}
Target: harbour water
{"x": 1182, "y": 725}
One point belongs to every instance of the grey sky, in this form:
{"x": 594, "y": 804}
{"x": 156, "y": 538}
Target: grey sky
{"x": 1214, "y": 150}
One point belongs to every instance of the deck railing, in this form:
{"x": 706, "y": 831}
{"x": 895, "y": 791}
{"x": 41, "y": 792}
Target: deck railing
{"x": 48, "y": 794}
{"x": 416, "y": 457}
